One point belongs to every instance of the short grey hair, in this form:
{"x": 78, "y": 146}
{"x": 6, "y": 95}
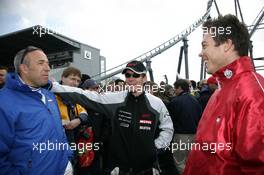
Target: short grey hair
{"x": 20, "y": 56}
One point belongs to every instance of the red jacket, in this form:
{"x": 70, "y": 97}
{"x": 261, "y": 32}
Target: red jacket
{"x": 231, "y": 131}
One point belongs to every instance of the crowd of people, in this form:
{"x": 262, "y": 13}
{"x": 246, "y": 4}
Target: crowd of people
{"x": 134, "y": 126}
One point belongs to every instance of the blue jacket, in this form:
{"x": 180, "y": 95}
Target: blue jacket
{"x": 185, "y": 113}
{"x": 32, "y": 140}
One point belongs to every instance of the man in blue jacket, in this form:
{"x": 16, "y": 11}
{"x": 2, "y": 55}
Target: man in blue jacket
{"x": 32, "y": 141}
{"x": 185, "y": 113}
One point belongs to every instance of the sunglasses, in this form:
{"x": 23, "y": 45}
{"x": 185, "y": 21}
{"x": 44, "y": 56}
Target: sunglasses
{"x": 26, "y": 51}
{"x": 128, "y": 75}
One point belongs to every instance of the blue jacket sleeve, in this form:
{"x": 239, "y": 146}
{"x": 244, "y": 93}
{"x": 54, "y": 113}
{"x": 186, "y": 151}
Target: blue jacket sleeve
{"x": 7, "y": 135}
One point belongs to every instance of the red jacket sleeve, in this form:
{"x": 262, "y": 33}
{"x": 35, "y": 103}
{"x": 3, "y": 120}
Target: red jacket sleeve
{"x": 248, "y": 138}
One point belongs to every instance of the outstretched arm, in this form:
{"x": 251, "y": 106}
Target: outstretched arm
{"x": 103, "y": 103}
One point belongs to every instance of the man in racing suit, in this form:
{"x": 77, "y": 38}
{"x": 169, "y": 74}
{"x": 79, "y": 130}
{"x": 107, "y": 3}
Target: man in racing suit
{"x": 141, "y": 125}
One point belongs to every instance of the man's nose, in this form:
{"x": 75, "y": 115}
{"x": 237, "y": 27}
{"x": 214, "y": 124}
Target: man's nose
{"x": 200, "y": 54}
{"x": 76, "y": 83}
{"x": 47, "y": 67}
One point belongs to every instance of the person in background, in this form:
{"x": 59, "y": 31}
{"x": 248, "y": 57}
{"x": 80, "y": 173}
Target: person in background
{"x": 165, "y": 159}
{"x": 166, "y": 93}
{"x": 212, "y": 84}
{"x": 193, "y": 85}
{"x": 194, "y": 89}
{"x": 73, "y": 116}
{"x": 151, "y": 87}
{"x": 202, "y": 84}
{"x": 3, "y": 72}
{"x": 207, "y": 91}
{"x": 119, "y": 85}
{"x": 101, "y": 131}
{"x": 185, "y": 113}
{"x": 84, "y": 77}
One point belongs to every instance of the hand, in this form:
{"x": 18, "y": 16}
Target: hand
{"x": 115, "y": 171}
{"x": 155, "y": 171}
{"x": 72, "y": 124}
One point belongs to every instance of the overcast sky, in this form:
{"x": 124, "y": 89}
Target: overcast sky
{"x": 125, "y": 29}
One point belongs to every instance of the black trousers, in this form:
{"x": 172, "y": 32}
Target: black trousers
{"x": 167, "y": 163}
{"x": 143, "y": 172}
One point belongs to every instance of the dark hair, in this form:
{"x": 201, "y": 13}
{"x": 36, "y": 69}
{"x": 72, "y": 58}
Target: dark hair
{"x": 71, "y": 71}
{"x": 84, "y": 77}
{"x": 193, "y": 84}
{"x": 3, "y": 68}
{"x": 237, "y": 32}
{"x": 150, "y": 84}
{"x": 184, "y": 84}
{"x": 118, "y": 81}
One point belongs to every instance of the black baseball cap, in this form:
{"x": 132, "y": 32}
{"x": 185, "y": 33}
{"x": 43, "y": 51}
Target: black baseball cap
{"x": 135, "y": 66}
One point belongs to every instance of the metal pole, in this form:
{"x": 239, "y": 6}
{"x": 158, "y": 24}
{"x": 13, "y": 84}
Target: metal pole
{"x": 148, "y": 62}
{"x": 236, "y": 7}
{"x": 185, "y": 47}
{"x": 240, "y": 12}
{"x": 166, "y": 79}
{"x": 179, "y": 63}
{"x": 217, "y": 9}
{"x": 256, "y": 24}
{"x": 202, "y": 69}
{"x": 251, "y": 53}
{"x": 259, "y": 58}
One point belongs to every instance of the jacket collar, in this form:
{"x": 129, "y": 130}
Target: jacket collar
{"x": 142, "y": 95}
{"x": 227, "y": 73}
{"x": 183, "y": 93}
{"x": 13, "y": 81}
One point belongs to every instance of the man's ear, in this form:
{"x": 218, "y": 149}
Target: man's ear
{"x": 145, "y": 78}
{"x": 62, "y": 80}
{"x": 23, "y": 68}
{"x": 228, "y": 45}
{"x": 180, "y": 88}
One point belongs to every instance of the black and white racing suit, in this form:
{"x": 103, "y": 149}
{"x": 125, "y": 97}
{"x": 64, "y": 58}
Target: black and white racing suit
{"x": 140, "y": 125}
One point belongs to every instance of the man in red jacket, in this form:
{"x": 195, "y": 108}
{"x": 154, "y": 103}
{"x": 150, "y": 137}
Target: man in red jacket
{"x": 230, "y": 135}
